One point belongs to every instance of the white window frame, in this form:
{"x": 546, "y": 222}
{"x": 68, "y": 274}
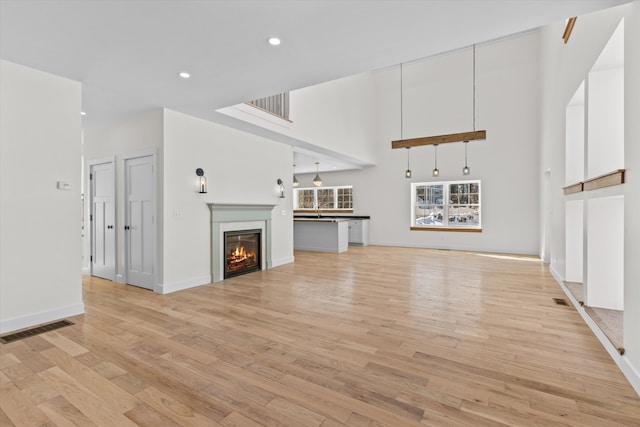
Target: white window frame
{"x": 335, "y": 189}
{"x": 446, "y": 204}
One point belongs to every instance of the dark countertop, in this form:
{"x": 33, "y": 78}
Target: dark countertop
{"x": 333, "y": 216}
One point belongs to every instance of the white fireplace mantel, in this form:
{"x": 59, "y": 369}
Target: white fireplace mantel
{"x": 227, "y": 217}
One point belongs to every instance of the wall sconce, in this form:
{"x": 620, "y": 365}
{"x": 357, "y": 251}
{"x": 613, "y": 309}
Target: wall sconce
{"x": 281, "y": 184}
{"x": 202, "y": 181}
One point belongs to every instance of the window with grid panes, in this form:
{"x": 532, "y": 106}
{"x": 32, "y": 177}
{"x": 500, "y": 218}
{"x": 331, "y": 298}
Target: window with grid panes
{"x": 454, "y": 204}
{"x": 305, "y": 198}
{"x": 345, "y": 198}
{"x": 324, "y": 198}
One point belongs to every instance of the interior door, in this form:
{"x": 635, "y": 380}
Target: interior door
{"x": 102, "y": 218}
{"x": 140, "y": 221}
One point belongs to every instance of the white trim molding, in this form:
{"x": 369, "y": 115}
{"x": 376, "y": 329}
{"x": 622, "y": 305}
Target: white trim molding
{"x": 168, "y": 288}
{"x": 622, "y": 361}
{"x": 282, "y": 261}
{"x": 39, "y": 318}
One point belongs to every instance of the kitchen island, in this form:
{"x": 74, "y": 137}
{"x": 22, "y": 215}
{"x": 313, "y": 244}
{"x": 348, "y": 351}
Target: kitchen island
{"x": 321, "y": 234}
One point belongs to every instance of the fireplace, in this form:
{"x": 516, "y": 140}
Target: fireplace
{"x": 226, "y": 218}
{"x": 241, "y": 252}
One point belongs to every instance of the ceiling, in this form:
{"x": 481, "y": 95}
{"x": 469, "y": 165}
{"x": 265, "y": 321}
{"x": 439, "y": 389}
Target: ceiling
{"x": 128, "y": 54}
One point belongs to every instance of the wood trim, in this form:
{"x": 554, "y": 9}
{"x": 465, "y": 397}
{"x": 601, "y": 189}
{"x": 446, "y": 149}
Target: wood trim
{"x": 573, "y": 188}
{"x": 321, "y": 219}
{"x": 607, "y": 180}
{"x": 440, "y": 139}
{"x": 567, "y": 30}
{"x": 322, "y": 211}
{"x": 460, "y": 229}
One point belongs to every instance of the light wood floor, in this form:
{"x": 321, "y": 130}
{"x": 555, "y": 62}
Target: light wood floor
{"x": 610, "y": 322}
{"x": 371, "y": 337}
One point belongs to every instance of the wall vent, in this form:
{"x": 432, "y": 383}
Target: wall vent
{"x": 560, "y": 301}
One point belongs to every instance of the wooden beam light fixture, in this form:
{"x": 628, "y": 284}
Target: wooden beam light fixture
{"x": 440, "y": 139}
{"x": 446, "y": 138}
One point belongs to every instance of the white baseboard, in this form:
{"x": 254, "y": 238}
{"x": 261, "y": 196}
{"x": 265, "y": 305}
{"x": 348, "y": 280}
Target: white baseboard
{"x": 168, "y": 288}
{"x": 556, "y": 276}
{"x": 86, "y": 271}
{"x": 33, "y": 319}
{"x": 120, "y": 279}
{"x": 622, "y": 361}
{"x": 629, "y": 371}
{"x": 282, "y": 261}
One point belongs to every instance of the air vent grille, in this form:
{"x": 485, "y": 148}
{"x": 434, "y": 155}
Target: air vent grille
{"x": 16, "y": 336}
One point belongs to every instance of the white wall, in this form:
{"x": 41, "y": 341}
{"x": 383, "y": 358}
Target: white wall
{"x": 605, "y": 122}
{"x": 338, "y": 115}
{"x": 574, "y": 139}
{"x": 632, "y": 189}
{"x": 140, "y": 132}
{"x": 574, "y": 240}
{"x": 563, "y": 69}
{"x": 336, "y": 118}
{"x": 240, "y": 168}
{"x": 605, "y": 253}
{"x": 40, "y": 247}
{"x": 438, "y": 99}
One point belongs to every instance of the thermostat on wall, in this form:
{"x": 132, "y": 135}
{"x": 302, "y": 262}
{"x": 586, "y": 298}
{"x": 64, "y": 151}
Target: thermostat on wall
{"x": 63, "y": 185}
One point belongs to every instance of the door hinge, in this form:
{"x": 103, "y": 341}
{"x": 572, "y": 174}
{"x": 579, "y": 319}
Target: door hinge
{"x": 90, "y": 217}
{"x": 91, "y": 258}
{"x": 90, "y": 176}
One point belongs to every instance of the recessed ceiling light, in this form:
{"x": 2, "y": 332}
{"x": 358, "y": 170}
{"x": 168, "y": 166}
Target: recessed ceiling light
{"x": 274, "y": 41}
{"x": 82, "y": 113}
{"x": 184, "y": 74}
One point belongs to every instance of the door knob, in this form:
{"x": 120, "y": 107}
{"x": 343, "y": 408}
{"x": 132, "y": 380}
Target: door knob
{"x": 126, "y": 227}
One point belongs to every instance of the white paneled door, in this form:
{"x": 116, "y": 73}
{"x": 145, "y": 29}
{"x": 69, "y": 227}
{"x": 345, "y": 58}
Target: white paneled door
{"x": 140, "y": 221}
{"x": 103, "y": 238}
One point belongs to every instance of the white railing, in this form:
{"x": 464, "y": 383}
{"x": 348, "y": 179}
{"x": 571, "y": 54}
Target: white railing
{"x": 278, "y": 105}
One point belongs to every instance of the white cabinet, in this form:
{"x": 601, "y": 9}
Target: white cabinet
{"x": 359, "y": 232}
{"x": 322, "y": 235}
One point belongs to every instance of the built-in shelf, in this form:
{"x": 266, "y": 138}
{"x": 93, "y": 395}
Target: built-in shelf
{"x": 576, "y": 290}
{"x": 610, "y": 323}
{"x": 607, "y": 180}
{"x": 573, "y": 188}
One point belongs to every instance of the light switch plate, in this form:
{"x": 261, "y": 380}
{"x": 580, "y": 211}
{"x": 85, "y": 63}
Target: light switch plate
{"x": 63, "y": 185}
